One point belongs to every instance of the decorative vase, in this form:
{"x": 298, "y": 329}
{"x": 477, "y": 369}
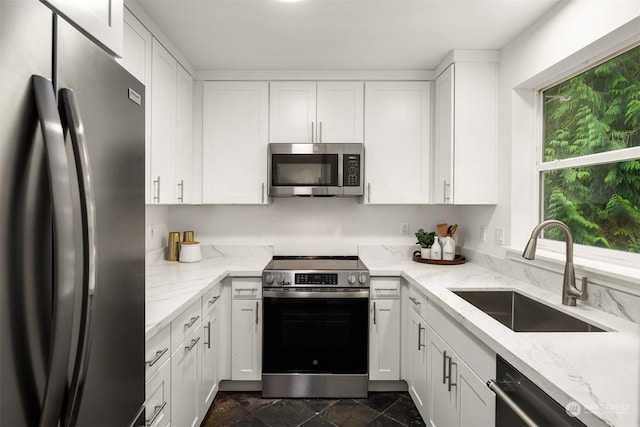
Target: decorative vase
{"x": 425, "y": 253}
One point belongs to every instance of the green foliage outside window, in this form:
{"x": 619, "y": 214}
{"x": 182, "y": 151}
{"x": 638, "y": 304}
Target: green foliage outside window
{"x": 594, "y": 112}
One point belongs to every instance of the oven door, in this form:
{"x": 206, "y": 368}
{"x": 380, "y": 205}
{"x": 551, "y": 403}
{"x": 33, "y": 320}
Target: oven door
{"x": 323, "y": 332}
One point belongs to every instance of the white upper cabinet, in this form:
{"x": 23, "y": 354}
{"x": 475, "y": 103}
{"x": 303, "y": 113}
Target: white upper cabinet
{"x": 163, "y": 125}
{"x": 340, "y": 112}
{"x": 465, "y": 141}
{"x": 310, "y": 112}
{"x": 184, "y": 155}
{"x": 136, "y": 58}
{"x": 397, "y": 137}
{"x": 235, "y": 138}
{"x": 100, "y": 20}
{"x": 172, "y": 175}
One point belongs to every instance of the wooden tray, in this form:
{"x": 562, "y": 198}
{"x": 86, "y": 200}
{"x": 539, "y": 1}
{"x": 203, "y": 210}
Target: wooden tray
{"x": 459, "y": 259}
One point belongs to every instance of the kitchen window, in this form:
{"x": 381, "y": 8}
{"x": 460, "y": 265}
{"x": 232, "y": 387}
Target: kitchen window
{"x": 589, "y": 168}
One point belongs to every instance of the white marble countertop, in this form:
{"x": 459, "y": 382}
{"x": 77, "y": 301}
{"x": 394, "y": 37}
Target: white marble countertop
{"x": 172, "y": 286}
{"x": 599, "y": 371}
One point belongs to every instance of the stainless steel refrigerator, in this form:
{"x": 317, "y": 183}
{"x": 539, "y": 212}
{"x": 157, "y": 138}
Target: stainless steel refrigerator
{"x": 71, "y": 227}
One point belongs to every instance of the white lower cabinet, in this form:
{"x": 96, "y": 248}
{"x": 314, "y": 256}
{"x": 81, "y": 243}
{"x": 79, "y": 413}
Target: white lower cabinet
{"x": 445, "y": 367}
{"x": 246, "y": 330}
{"x": 417, "y": 359}
{"x": 185, "y": 381}
{"x": 157, "y": 401}
{"x": 457, "y": 396}
{"x": 210, "y": 378}
{"x": 384, "y": 329}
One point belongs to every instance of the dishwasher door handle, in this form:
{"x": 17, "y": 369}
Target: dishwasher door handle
{"x": 493, "y": 386}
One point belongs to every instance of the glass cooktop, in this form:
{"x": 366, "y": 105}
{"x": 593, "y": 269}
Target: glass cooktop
{"x": 316, "y": 263}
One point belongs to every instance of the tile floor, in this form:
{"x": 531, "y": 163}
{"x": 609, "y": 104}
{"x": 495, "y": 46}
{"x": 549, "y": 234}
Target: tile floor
{"x": 243, "y": 409}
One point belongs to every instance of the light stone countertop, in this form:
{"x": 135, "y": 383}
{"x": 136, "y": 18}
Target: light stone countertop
{"x": 172, "y": 286}
{"x": 599, "y": 371}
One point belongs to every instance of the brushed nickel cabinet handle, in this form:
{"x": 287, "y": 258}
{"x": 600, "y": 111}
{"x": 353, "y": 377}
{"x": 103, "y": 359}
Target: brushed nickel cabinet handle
{"x": 312, "y": 132}
{"x": 420, "y": 329}
{"x": 374, "y": 313}
{"x": 320, "y": 131}
{"x": 369, "y": 192}
{"x": 414, "y": 300}
{"x": 257, "y": 307}
{"x": 181, "y": 193}
{"x": 190, "y": 324}
{"x": 262, "y": 193}
{"x": 213, "y": 300}
{"x": 451, "y": 364}
{"x": 444, "y": 193}
{"x": 156, "y": 190}
{"x": 156, "y": 411}
{"x": 193, "y": 344}
{"x": 208, "y": 328}
{"x": 444, "y": 367}
{"x": 157, "y": 357}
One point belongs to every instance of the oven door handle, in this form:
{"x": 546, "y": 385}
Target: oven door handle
{"x": 355, "y": 293}
{"x": 493, "y": 385}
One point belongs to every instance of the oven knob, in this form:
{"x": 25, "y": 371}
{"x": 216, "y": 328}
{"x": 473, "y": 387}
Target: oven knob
{"x": 351, "y": 279}
{"x": 280, "y": 279}
{"x": 362, "y": 279}
{"x": 269, "y": 278}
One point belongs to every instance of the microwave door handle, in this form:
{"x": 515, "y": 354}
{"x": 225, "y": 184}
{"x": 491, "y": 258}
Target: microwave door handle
{"x": 64, "y": 251}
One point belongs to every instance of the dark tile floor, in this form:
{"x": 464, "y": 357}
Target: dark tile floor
{"x": 240, "y": 409}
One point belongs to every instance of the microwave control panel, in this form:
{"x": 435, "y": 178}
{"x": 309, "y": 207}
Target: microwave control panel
{"x": 351, "y": 168}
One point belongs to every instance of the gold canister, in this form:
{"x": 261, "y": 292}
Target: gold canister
{"x": 173, "y": 247}
{"x": 188, "y": 236}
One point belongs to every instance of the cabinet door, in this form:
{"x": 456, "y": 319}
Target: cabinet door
{"x": 185, "y": 381}
{"x": 101, "y": 20}
{"x": 163, "y": 125}
{"x": 384, "y": 343}
{"x": 443, "y": 145}
{"x": 184, "y": 155}
{"x": 443, "y": 402}
{"x": 234, "y": 152}
{"x": 210, "y": 344}
{"x": 292, "y": 109}
{"x": 157, "y": 397}
{"x": 136, "y": 58}
{"x": 340, "y": 112}
{"x": 246, "y": 340}
{"x": 397, "y": 129}
{"x": 418, "y": 362}
{"x": 477, "y": 401}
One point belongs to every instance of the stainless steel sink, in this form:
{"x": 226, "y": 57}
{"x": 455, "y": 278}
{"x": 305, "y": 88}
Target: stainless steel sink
{"x": 522, "y": 314}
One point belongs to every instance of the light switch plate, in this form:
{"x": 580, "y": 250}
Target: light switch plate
{"x": 499, "y": 236}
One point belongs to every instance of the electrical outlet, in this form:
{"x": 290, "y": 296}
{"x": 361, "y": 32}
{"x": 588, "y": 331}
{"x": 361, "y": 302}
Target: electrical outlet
{"x": 483, "y": 233}
{"x": 500, "y": 236}
{"x": 404, "y": 228}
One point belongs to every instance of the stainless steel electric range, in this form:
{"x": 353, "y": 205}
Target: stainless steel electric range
{"x": 316, "y": 327}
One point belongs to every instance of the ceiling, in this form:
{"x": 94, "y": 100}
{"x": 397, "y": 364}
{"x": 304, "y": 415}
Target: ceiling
{"x": 337, "y": 34}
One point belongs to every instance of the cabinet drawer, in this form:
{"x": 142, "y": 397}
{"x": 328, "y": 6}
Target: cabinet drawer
{"x": 157, "y": 352}
{"x": 246, "y": 288}
{"x": 157, "y": 394}
{"x": 480, "y": 358}
{"x": 210, "y": 299}
{"x": 385, "y": 288}
{"x": 418, "y": 302}
{"x": 185, "y": 323}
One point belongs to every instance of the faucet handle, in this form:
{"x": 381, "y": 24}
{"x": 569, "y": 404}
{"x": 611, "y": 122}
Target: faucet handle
{"x": 583, "y": 289}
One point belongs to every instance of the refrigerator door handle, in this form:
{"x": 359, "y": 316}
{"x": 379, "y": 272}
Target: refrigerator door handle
{"x": 63, "y": 251}
{"x": 72, "y": 120}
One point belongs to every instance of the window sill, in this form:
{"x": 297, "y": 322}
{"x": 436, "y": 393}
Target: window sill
{"x": 604, "y": 273}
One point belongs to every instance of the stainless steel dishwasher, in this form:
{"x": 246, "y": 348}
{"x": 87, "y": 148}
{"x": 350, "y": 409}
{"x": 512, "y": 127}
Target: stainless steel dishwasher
{"x": 522, "y": 403}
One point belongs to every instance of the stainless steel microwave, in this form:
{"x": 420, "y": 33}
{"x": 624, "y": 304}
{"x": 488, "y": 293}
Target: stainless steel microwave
{"x": 316, "y": 170}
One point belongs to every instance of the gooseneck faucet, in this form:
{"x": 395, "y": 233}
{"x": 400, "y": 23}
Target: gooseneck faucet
{"x": 569, "y": 290}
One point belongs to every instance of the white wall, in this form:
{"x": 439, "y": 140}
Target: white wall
{"x": 570, "y": 37}
{"x": 306, "y": 226}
